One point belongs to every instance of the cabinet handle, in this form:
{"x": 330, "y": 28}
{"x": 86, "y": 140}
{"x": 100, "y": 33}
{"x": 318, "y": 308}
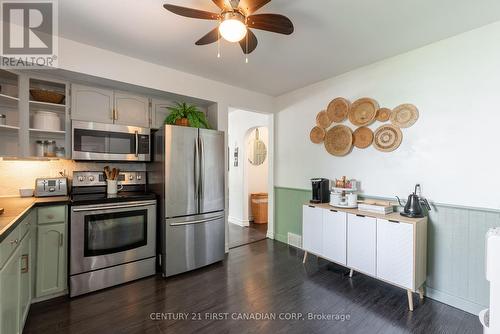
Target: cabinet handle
{"x": 116, "y": 114}
{"x": 333, "y": 210}
{"x": 14, "y": 242}
{"x": 61, "y": 241}
{"x": 113, "y": 114}
{"x": 24, "y": 263}
{"x": 394, "y": 221}
{"x": 311, "y": 206}
{"x": 362, "y": 216}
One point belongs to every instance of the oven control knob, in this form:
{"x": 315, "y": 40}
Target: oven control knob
{"x": 131, "y": 177}
{"x": 81, "y": 178}
{"x": 91, "y": 178}
{"x": 139, "y": 177}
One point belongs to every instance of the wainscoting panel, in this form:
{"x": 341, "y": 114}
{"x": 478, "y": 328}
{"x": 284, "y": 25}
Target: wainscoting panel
{"x": 456, "y": 247}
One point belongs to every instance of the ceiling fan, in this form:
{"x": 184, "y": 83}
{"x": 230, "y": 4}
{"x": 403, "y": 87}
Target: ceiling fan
{"x": 236, "y": 18}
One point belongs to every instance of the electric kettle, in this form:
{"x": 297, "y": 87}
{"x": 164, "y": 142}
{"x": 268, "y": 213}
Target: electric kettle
{"x": 413, "y": 206}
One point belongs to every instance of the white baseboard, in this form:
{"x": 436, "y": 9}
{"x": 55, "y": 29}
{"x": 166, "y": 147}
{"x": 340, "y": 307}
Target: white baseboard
{"x": 236, "y": 221}
{"x": 270, "y": 234}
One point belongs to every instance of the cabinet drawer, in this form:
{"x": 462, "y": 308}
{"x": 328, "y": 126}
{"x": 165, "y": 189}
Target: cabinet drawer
{"x": 26, "y": 224}
{"x": 9, "y": 244}
{"x": 52, "y": 214}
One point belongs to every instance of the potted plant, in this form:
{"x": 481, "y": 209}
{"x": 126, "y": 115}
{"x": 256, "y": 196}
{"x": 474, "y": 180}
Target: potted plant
{"x": 186, "y": 115}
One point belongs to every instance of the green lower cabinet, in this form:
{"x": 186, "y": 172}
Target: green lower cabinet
{"x": 10, "y": 281}
{"x": 26, "y": 269}
{"x": 51, "y": 259}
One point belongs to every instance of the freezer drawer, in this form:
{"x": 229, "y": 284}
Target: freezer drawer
{"x": 192, "y": 242}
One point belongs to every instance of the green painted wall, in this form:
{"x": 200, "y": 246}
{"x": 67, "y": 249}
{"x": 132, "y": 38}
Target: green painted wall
{"x": 456, "y": 247}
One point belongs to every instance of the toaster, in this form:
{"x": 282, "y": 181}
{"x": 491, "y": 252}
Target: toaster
{"x": 51, "y": 186}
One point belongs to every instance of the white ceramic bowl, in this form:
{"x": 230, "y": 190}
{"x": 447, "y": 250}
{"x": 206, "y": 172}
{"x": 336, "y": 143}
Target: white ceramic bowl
{"x": 46, "y": 120}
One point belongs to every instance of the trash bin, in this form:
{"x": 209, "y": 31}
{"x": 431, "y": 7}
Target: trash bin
{"x": 259, "y": 207}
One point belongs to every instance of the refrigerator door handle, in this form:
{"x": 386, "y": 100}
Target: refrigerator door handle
{"x": 198, "y": 221}
{"x": 202, "y": 167}
{"x": 196, "y": 172}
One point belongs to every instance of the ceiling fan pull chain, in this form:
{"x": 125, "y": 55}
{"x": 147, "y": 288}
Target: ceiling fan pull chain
{"x": 246, "y": 53}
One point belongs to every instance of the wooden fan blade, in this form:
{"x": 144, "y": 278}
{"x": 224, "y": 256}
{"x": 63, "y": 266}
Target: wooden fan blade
{"x": 190, "y": 12}
{"x": 271, "y": 22}
{"x": 252, "y": 42}
{"x": 212, "y": 36}
{"x": 222, "y": 4}
{"x": 250, "y": 6}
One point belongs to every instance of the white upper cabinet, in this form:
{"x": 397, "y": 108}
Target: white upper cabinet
{"x": 131, "y": 109}
{"x": 361, "y": 243}
{"x": 159, "y": 112}
{"x": 312, "y": 229}
{"x": 335, "y": 236}
{"x": 91, "y": 104}
{"x": 101, "y": 105}
{"x": 395, "y": 247}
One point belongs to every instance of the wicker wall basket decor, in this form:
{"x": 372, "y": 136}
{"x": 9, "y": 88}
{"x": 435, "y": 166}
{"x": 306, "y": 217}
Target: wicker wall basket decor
{"x": 363, "y": 111}
{"x": 387, "y": 138}
{"x": 338, "y": 109}
{"x": 317, "y": 135}
{"x": 322, "y": 120}
{"x": 383, "y": 114}
{"x": 362, "y": 137}
{"x": 404, "y": 115}
{"x": 338, "y": 140}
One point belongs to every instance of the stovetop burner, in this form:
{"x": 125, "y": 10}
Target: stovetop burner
{"x": 90, "y": 188}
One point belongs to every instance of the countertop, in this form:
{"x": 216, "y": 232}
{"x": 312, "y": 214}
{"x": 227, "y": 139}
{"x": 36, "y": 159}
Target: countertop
{"x": 391, "y": 216}
{"x": 16, "y": 208}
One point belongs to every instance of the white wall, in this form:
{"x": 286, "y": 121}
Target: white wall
{"x": 453, "y": 148}
{"x": 240, "y": 125}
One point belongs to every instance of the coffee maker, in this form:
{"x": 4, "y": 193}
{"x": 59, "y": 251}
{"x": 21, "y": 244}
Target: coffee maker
{"x": 320, "y": 190}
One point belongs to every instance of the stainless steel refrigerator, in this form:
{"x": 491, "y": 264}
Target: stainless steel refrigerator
{"x": 188, "y": 175}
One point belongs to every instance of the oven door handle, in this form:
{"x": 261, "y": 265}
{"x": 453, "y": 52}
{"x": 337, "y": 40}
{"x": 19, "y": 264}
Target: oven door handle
{"x": 124, "y": 206}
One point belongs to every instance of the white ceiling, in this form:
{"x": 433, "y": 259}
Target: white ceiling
{"x": 331, "y": 36}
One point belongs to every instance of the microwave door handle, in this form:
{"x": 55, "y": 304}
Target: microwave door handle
{"x": 136, "y": 143}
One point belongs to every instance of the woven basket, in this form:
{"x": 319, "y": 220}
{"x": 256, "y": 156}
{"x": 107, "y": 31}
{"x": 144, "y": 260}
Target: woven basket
{"x": 259, "y": 207}
{"x": 47, "y": 96}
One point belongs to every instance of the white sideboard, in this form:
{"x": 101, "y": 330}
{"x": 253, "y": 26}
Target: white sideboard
{"x": 389, "y": 247}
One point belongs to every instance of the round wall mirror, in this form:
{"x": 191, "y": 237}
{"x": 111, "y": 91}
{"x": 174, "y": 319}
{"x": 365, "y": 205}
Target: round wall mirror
{"x": 257, "y": 150}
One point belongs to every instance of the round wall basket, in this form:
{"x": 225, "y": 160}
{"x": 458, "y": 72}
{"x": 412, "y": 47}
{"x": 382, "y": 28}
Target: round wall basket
{"x": 338, "y": 109}
{"x": 362, "y": 137}
{"x": 338, "y": 140}
{"x": 383, "y": 114}
{"x": 363, "y": 111}
{"x": 387, "y": 138}
{"x": 322, "y": 120}
{"x": 317, "y": 135}
{"x": 404, "y": 115}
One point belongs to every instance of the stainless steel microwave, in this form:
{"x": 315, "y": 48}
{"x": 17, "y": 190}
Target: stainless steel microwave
{"x": 109, "y": 142}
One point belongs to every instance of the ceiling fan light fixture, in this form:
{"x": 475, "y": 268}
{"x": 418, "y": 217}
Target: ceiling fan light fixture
{"x": 232, "y": 27}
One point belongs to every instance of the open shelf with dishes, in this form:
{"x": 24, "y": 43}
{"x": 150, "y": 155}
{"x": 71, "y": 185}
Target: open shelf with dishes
{"x": 48, "y": 118}
{"x": 9, "y": 113}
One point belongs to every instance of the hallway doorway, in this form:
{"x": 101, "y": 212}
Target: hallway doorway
{"x": 248, "y": 138}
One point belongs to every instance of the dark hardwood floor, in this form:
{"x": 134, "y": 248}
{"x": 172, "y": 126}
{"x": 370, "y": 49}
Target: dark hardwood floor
{"x": 265, "y": 277}
{"x": 239, "y": 235}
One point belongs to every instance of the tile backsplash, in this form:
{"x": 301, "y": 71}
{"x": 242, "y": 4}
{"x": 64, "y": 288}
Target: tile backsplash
{"x": 18, "y": 174}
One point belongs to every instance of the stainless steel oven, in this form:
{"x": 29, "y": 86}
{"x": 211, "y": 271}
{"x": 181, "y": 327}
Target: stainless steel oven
{"x": 111, "y": 243}
{"x": 98, "y": 141}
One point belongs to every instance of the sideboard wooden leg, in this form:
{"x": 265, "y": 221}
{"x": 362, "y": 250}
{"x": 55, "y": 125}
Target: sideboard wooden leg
{"x": 351, "y": 273}
{"x": 410, "y": 299}
{"x": 305, "y": 257}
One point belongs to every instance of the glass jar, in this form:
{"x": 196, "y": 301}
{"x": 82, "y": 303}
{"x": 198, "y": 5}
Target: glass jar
{"x": 50, "y": 148}
{"x": 60, "y": 152}
{"x": 40, "y": 148}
